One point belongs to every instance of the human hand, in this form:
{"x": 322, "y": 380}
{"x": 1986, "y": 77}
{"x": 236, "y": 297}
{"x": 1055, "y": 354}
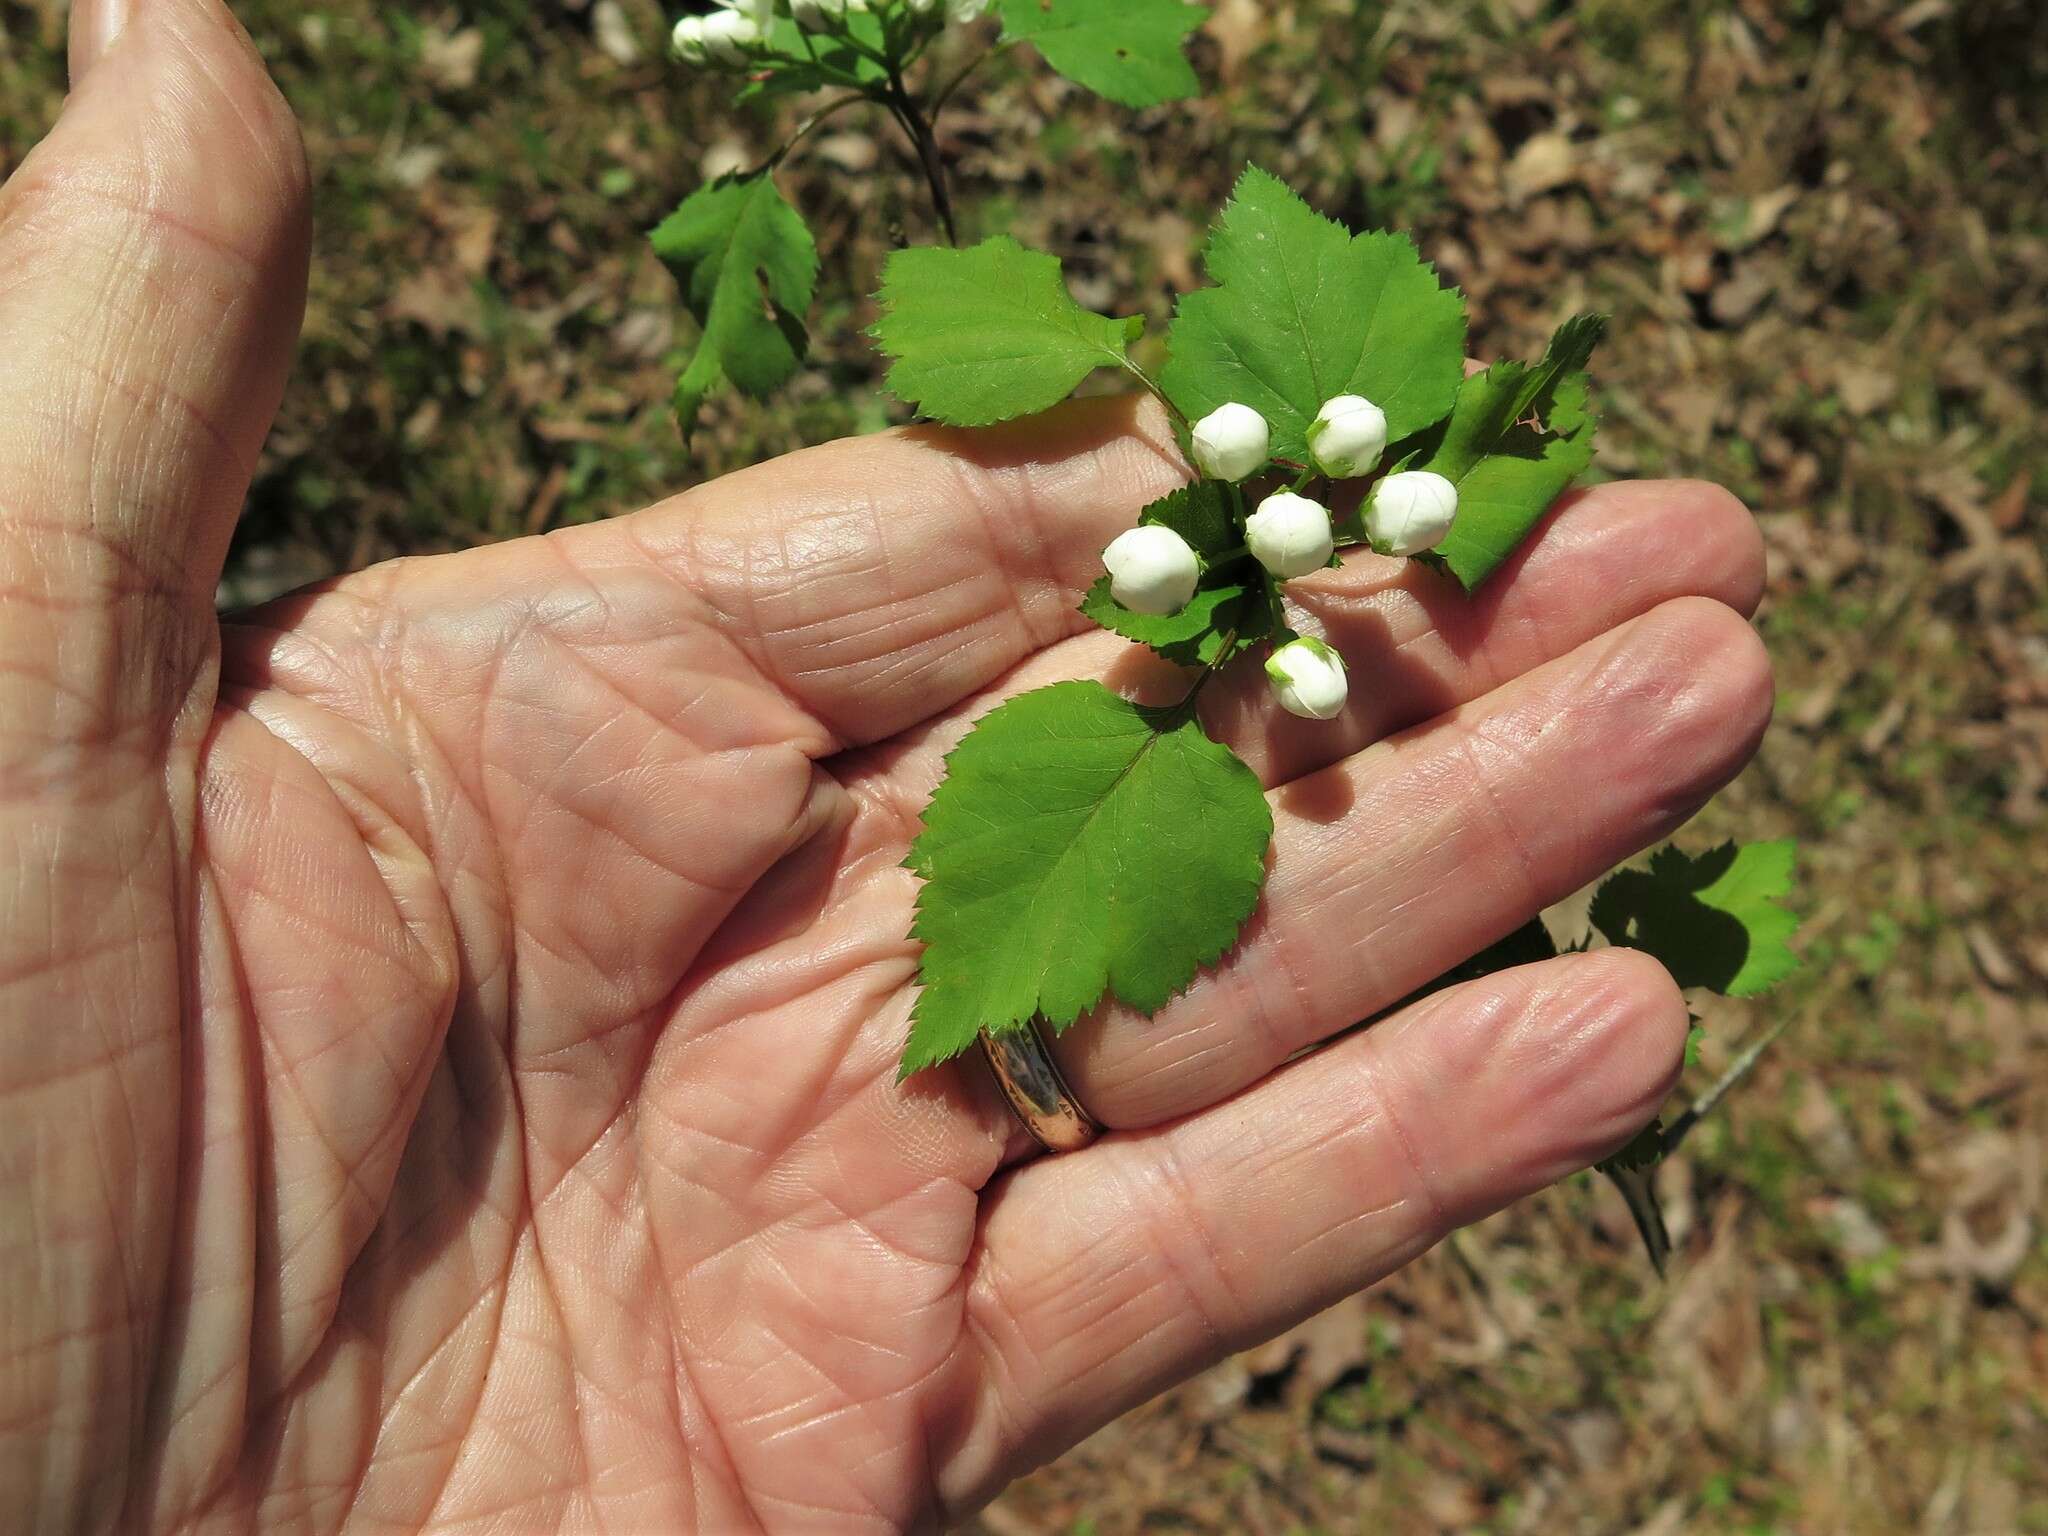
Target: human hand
{"x": 448, "y": 1018}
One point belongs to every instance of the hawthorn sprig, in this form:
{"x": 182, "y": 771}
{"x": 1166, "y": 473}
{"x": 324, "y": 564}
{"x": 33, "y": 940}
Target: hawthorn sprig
{"x": 742, "y": 252}
{"x": 1318, "y": 357}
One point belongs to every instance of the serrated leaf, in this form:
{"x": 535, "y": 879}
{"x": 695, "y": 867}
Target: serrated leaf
{"x": 989, "y": 333}
{"x": 1302, "y": 311}
{"x": 1715, "y": 921}
{"x": 748, "y": 267}
{"x": 1128, "y": 50}
{"x": 1645, "y": 1150}
{"x": 1080, "y": 844}
{"x": 1194, "y": 637}
{"x": 1508, "y": 471}
{"x": 1199, "y": 513}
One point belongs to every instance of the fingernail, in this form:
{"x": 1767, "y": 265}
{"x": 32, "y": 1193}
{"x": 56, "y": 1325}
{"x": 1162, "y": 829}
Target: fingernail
{"x": 94, "y": 26}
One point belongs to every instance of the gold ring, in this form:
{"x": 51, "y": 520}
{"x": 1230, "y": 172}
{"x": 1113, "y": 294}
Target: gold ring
{"x": 1038, "y": 1095}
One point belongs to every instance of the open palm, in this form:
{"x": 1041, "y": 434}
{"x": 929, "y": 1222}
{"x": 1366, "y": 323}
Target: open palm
{"x": 448, "y": 1019}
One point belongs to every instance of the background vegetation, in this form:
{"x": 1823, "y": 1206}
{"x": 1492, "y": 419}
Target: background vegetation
{"x": 1822, "y": 227}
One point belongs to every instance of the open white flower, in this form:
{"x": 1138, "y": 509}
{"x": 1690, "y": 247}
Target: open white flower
{"x": 1231, "y": 442}
{"x": 1308, "y": 679}
{"x": 1347, "y": 437}
{"x": 1411, "y": 512}
{"x": 1151, "y": 569}
{"x": 1289, "y": 535}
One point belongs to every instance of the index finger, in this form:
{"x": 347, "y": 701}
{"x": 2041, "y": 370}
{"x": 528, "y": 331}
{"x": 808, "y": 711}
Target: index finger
{"x": 877, "y": 580}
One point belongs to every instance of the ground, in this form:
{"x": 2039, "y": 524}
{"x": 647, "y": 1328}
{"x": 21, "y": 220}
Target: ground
{"x": 1822, "y": 229}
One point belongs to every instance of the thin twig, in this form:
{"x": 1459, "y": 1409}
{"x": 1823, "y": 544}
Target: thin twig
{"x": 1706, "y": 1103}
{"x": 811, "y": 124}
{"x": 1156, "y": 392}
{"x": 929, "y": 159}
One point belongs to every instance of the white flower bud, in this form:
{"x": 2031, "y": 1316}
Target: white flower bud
{"x": 1231, "y": 442}
{"x": 686, "y": 43}
{"x": 1347, "y": 437}
{"x": 961, "y": 12}
{"x": 817, "y": 15}
{"x": 1151, "y": 569}
{"x": 1308, "y": 679}
{"x": 1411, "y": 512}
{"x": 728, "y": 36}
{"x": 1289, "y": 535}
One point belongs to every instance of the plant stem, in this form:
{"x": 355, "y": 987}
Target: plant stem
{"x": 1186, "y": 707}
{"x": 934, "y": 169}
{"x": 918, "y": 129}
{"x": 830, "y": 110}
{"x": 1156, "y": 392}
{"x": 1707, "y": 1102}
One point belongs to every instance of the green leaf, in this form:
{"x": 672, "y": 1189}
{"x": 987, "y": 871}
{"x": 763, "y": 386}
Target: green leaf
{"x": 989, "y": 333}
{"x": 1507, "y": 470}
{"x": 1199, "y": 513}
{"x": 1127, "y": 50}
{"x": 1079, "y": 844}
{"x": 1645, "y": 1150}
{"x": 1304, "y": 310}
{"x": 1715, "y": 921}
{"x": 748, "y": 268}
{"x": 1195, "y": 636}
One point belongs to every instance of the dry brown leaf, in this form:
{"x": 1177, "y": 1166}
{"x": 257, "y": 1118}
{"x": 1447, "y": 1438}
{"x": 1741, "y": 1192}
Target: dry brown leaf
{"x": 1543, "y": 163}
{"x": 450, "y": 60}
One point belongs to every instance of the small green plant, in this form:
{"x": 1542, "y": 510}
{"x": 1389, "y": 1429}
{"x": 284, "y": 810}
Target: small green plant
{"x": 1083, "y": 847}
{"x": 746, "y": 261}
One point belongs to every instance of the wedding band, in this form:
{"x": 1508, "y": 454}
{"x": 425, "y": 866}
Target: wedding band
{"x": 1038, "y": 1095}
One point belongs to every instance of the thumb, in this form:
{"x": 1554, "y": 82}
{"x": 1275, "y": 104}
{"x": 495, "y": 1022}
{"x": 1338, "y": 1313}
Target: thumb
{"x": 152, "y": 274}
{"x": 152, "y": 280}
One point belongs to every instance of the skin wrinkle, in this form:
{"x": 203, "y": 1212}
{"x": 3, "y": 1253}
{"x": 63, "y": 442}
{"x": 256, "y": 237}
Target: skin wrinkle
{"x": 1507, "y": 827}
{"x": 1276, "y": 957}
{"x": 201, "y": 1052}
{"x": 500, "y": 1287}
{"x": 551, "y": 1294}
{"x": 1181, "y": 1208}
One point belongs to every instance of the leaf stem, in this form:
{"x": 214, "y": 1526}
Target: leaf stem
{"x": 810, "y": 125}
{"x": 1237, "y": 502}
{"x": 1152, "y": 387}
{"x": 1707, "y": 1102}
{"x": 1186, "y": 707}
